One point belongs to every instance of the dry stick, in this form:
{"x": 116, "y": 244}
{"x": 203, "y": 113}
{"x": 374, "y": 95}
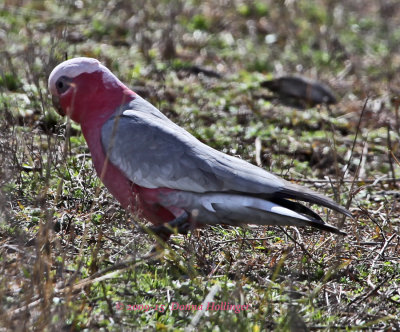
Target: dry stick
{"x": 383, "y": 248}
{"x": 389, "y": 147}
{"x": 360, "y": 298}
{"x": 355, "y": 138}
{"x": 396, "y": 109}
{"x": 350, "y": 199}
{"x": 370, "y": 243}
{"x": 373, "y": 181}
{"x": 244, "y": 239}
{"x": 196, "y": 318}
{"x": 342, "y": 327}
{"x": 351, "y": 156}
{"x": 302, "y": 247}
{"x": 26, "y": 308}
{"x": 369, "y": 282}
{"x": 349, "y": 161}
{"x": 66, "y": 148}
{"x": 373, "y": 220}
{"x": 397, "y": 162}
{"x": 364, "y": 152}
{"x": 258, "y": 145}
{"x": 335, "y": 157}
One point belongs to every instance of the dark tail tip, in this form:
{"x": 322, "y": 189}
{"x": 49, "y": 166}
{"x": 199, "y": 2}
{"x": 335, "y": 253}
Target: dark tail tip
{"x": 327, "y": 227}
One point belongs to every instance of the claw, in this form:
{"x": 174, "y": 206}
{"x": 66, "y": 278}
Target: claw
{"x": 180, "y": 225}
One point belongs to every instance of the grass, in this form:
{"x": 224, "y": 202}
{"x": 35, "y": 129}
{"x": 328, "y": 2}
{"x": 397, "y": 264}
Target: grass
{"x": 71, "y": 258}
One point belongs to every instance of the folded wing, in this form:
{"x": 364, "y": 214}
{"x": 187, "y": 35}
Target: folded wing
{"x": 153, "y": 152}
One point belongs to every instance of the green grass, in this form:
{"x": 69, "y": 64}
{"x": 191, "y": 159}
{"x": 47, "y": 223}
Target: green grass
{"x": 69, "y": 255}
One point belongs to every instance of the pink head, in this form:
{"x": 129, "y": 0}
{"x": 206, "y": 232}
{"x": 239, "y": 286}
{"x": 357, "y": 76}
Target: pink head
{"x": 82, "y": 88}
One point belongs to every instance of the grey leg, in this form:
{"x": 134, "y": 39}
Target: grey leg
{"x": 180, "y": 224}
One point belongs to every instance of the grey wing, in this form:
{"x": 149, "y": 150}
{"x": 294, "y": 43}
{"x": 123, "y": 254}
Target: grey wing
{"x": 153, "y": 152}
{"x": 142, "y": 105}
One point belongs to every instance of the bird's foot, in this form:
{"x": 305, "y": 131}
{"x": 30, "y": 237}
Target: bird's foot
{"x": 178, "y": 225}
{"x": 155, "y": 252}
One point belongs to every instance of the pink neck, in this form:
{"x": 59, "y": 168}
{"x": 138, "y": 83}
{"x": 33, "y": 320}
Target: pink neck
{"x": 106, "y": 103}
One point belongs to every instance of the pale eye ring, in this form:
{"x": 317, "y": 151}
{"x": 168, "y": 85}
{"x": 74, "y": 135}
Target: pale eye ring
{"x": 63, "y": 84}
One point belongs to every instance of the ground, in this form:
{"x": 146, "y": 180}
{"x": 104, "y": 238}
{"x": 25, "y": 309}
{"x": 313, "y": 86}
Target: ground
{"x": 72, "y": 259}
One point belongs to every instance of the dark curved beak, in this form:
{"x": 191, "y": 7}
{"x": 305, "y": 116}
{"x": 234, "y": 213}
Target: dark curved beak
{"x": 57, "y": 106}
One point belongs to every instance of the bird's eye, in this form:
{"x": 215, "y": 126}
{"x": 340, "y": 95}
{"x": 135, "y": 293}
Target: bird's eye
{"x": 63, "y": 84}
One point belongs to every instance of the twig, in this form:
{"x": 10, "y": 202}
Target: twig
{"x": 355, "y": 137}
{"x": 373, "y": 220}
{"x": 385, "y": 245}
{"x": 258, "y": 151}
{"x": 245, "y": 239}
{"x": 344, "y": 327}
{"x": 196, "y": 318}
{"x": 351, "y": 195}
{"x": 379, "y": 255}
{"x": 370, "y": 243}
{"x": 335, "y": 157}
{"x": 360, "y": 298}
{"x": 389, "y": 147}
{"x": 383, "y": 178}
{"x": 396, "y": 103}
{"x": 395, "y": 159}
{"x": 302, "y": 247}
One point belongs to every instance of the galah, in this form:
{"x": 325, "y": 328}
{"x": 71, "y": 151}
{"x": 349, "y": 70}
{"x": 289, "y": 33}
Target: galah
{"x": 300, "y": 91}
{"x": 164, "y": 174}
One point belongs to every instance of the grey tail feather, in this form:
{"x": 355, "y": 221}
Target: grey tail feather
{"x": 325, "y": 227}
{"x": 316, "y": 220}
{"x": 237, "y": 215}
{"x": 315, "y": 223}
{"x": 296, "y": 206}
{"x": 294, "y": 191}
